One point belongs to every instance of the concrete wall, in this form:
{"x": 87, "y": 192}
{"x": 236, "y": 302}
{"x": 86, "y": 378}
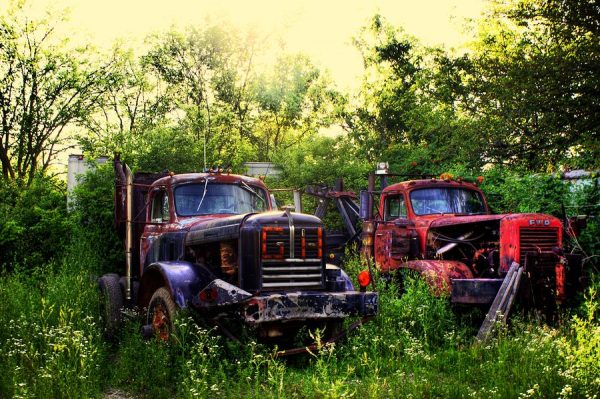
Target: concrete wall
{"x": 262, "y": 169}
{"x": 77, "y": 166}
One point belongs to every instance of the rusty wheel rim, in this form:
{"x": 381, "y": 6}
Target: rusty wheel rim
{"x": 160, "y": 322}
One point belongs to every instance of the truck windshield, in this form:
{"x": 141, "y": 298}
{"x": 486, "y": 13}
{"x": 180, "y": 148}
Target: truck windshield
{"x": 192, "y": 200}
{"x": 440, "y": 200}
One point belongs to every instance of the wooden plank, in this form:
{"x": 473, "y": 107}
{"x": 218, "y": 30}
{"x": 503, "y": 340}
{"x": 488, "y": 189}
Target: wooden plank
{"x": 506, "y": 294}
{"x": 492, "y": 314}
{"x": 513, "y": 294}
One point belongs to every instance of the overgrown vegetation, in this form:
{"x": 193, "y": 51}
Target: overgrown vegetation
{"x": 518, "y": 108}
{"x": 417, "y": 346}
{"x": 34, "y": 226}
{"x": 53, "y": 347}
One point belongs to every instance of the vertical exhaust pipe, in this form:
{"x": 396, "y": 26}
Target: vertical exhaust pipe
{"x": 371, "y": 191}
{"x": 128, "y": 232}
{"x": 366, "y": 211}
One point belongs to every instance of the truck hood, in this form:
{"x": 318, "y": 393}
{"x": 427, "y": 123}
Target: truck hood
{"x": 205, "y": 230}
{"x": 215, "y": 229}
{"x": 450, "y": 220}
{"x": 210, "y": 221}
{"x": 281, "y": 218}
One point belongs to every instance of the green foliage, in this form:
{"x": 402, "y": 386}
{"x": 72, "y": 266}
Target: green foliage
{"x": 414, "y": 347}
{"x": 295, "y": 101}
{"x": 406, "y": 110}
{"x": 524, "y": 94}
{"x": 94, "y": 230}
{"x": 143, "y": 366}
{"x": 514, "y": 191}
{"x": 582, "y": 353}
{"x": 161, "y": 149}
{"x": 585, "y": 201}
{"x": 34, "y": 226}
{"x": 535, "y": 67}
{"x": 321, "y": 160}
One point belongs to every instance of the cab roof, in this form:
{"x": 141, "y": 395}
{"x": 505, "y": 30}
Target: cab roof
{"x": 224, "y": 178}
{"x": 429, "y": 183}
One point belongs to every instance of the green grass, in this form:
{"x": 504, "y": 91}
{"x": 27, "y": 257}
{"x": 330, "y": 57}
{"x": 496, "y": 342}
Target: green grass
{"x": 51, "y": 346}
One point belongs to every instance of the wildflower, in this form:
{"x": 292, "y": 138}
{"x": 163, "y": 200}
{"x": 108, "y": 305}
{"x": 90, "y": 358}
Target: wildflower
{"x": 566, "y": 391}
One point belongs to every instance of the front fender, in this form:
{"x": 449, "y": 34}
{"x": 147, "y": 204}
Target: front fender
{"x": 337, "y": 279}
{"x": 183, "y": 279}
{"x": 440, "y": 273}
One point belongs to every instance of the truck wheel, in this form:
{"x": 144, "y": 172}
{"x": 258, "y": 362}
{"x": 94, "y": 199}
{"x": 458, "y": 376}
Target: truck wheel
{"x": 112, "y": 302}
{"x": 161, "y": 312}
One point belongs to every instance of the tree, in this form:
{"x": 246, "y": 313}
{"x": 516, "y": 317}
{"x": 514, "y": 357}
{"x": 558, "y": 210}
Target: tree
{"x": 134, "y": 103}
{"x": 209, "y": 71}
{"x": 534, "y": 87}
{"x": 406, "y": 110}
{"x": 388, "y": 93}
{"x": 45, "y": 86}
{"x": 294, "y": 101}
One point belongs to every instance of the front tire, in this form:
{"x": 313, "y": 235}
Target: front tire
{"x": 161, "y": 313}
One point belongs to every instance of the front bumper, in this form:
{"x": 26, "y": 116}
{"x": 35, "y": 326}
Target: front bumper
{"x": 475, "y": 291}
{"x": 291, "y": 306}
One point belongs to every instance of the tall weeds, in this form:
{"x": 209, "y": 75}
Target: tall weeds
{"x": 51, "y": 346}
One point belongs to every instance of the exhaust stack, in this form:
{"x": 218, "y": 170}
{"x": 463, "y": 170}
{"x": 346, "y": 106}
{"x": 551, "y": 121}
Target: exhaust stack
{"x": 128, "y": 232}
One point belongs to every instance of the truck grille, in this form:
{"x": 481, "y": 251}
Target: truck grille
{"x": 286, "y": 267}
{"x": 537, "y": 241}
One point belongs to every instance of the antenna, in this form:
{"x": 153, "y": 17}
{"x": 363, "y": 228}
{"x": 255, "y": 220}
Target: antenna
{"x": 204, "y": 151}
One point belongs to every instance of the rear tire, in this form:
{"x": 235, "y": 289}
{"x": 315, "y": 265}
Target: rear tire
{"x": 161, "y": 313}
{"x": 112, "y": 301}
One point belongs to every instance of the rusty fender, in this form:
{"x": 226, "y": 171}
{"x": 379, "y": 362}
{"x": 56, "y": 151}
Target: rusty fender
{"x": 309, "y": 306}
{"x": 439, "y": 273}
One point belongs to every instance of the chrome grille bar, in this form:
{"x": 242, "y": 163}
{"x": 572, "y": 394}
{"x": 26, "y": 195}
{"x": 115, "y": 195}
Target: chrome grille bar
{"x": 291, "y": 260}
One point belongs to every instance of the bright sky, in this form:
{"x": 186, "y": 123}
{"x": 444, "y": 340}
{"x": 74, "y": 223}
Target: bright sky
{"x": 323, "y": 29}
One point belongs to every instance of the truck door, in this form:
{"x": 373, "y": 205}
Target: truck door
{"x": 392, "y": 243}
{"x": 153, "y": 248}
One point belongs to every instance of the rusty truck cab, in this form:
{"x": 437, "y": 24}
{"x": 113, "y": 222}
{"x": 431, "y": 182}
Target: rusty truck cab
{"x": 212, "y": 242}
{"x": 444, "y": 230}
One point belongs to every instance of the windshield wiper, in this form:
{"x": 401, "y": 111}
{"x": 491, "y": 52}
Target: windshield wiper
{"x": 435, "y": 211}
{"x": 203, "y": 195}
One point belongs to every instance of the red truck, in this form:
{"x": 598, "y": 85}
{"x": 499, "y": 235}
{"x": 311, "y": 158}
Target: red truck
{"x": 443, "y": 229}
{"x": 212, "y": 242}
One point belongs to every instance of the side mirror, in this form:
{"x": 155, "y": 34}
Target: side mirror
{"x": 365, "y": 212}
{"x": 274, "y": 203}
